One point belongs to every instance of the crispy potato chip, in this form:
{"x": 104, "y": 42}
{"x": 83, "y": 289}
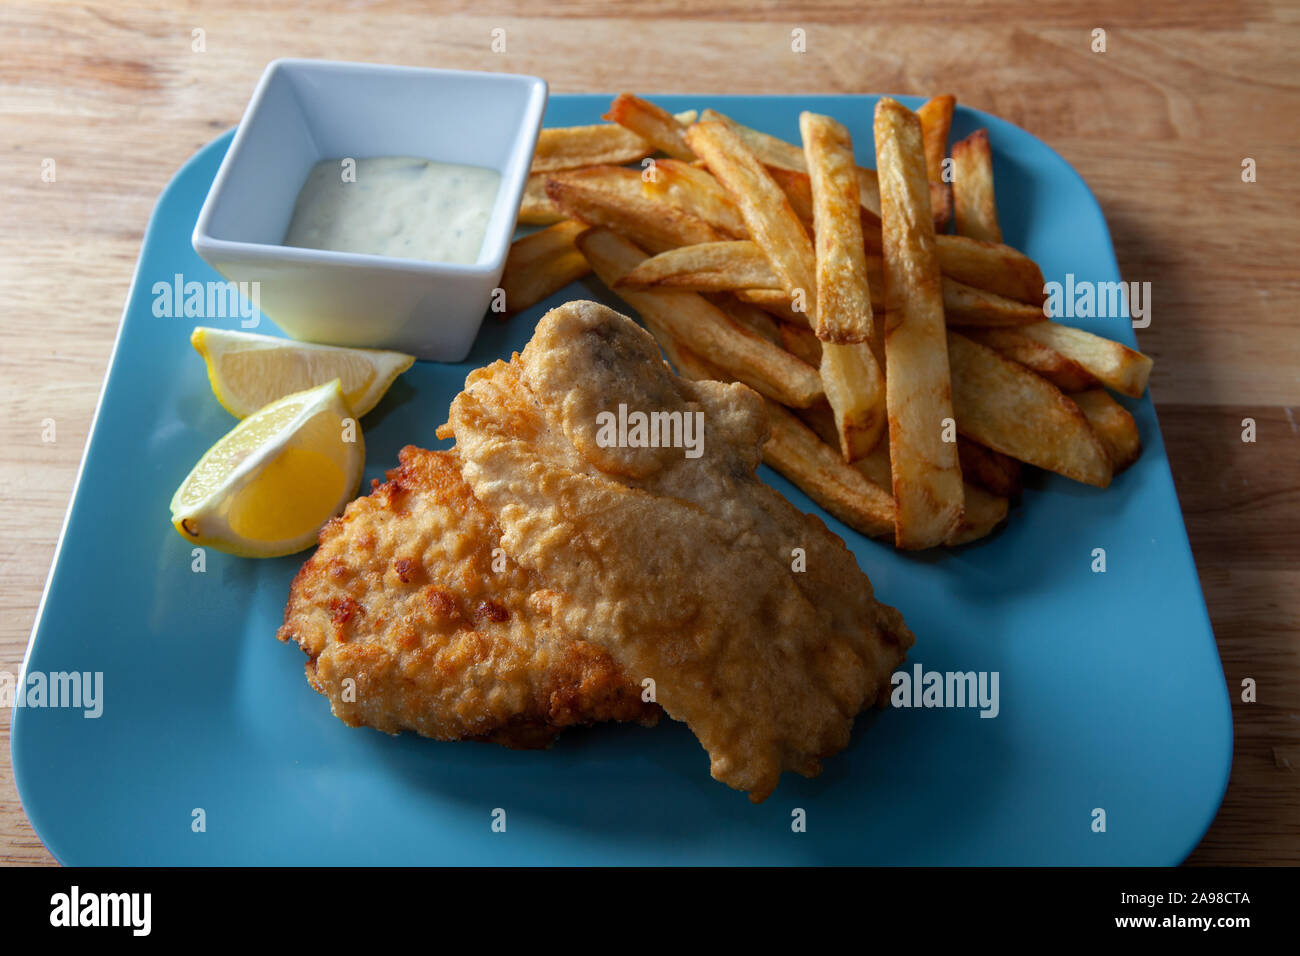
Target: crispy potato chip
{"x": 853, "y": 381}
{"x": 542, "y": 264}
{"x": 992, "y": 267}
{"x": 974, "y": 207}
{"x": 652, "y": 123}
{"x": 611, "y": 196}
{"x": 1004, "y": 406}
{"x": 694, "y": 190}
{"x": 702, "y": 326}
{"x": 1113, "y": 425}
{"x": 926, "y": 475}
{"x": 1114, "y": 365}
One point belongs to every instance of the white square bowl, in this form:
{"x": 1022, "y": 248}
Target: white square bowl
{"x": 304, "y": 111}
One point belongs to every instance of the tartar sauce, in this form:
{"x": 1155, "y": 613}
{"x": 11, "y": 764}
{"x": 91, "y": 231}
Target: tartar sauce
{"x": 395, "y": 206}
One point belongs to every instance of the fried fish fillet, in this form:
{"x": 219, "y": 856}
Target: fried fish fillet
{"x": 752, "y": 618}
{"x": 406, "y": 599}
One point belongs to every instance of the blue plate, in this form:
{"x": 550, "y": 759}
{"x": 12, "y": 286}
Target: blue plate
{"x": 1111, "y": 694}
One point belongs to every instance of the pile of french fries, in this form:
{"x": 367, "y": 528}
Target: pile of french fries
{"x": 908, "y": 371}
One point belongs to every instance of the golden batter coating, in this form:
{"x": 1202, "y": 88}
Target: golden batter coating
{"x": 684, "y": 568}
{"x": 402, "y": 599}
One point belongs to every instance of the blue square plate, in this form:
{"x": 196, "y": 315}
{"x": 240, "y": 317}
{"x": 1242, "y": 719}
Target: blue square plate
{"x": 1111, "y": 691}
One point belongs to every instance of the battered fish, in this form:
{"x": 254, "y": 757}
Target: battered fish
{"x": 403, "y": 599}
{"x": 753, "y": 619}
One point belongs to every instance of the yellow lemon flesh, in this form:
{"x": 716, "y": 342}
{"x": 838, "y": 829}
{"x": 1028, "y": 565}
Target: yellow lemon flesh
{"x": 249, "y": 371}
{"x": 266, "y": 488}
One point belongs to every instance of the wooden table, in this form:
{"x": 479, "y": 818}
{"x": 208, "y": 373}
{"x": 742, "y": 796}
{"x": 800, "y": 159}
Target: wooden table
{"x": 1158, "y": 124}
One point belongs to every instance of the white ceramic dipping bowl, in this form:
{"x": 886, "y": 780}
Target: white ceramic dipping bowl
{"x": 304, "y": 111}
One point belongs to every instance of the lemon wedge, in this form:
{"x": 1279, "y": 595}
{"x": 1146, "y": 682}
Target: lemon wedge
{"x": 249, "y": 371}
{"x": 265, "y": 489}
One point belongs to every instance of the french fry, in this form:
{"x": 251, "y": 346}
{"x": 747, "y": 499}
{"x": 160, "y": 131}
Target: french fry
{"x": 770, "y": 150}
{"x": 751, "y": 317}
{"x": 798, "y": 189}
{"x": 965, "y": 305}
{"x": 818, "y": 470}
{"x": 652, "y": 123}
{"x": 935, "y": 115}
{"x": 989, "y": 469}
{"x": 686, "y": 363}
{"x": 736, "y": 265}
{"x": 926, "y": 476}
{"x": 542, "y": 264}
{"x": 1004, "y": 406}
{"x": 941, "y": 207}
{"x": 801, "y": 341}
{"x": 992, "y": 267}
{"x": 572, "y": 147}
{"x": 876, "y": 466}
{"x": 1114, "y": 365}
{"x": 776, "y": 153}
{"x": 776, "y": 302}
{"x": 706, "y": 267}
{"x": 821, "y": 420}
{"x": 936, "y": 119}
{"x": 701, "y": 326}
{"x": 974, "y": 207}
{"x": 694, "y": 190}
{"x": 535, "y": 207}
{"x": 853, "y": 382}
{"x": 611, "y": 196}
{"x": 740, "y": 265}
{"x": 767, "y": 212}
{"x": 1113, "y": 425}
{"x": 984, "y": 512}
{"x": 1066, "y": 374}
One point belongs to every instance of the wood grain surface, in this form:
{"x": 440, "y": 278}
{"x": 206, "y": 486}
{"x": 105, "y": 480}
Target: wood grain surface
{"x": 1159, "y": 125}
